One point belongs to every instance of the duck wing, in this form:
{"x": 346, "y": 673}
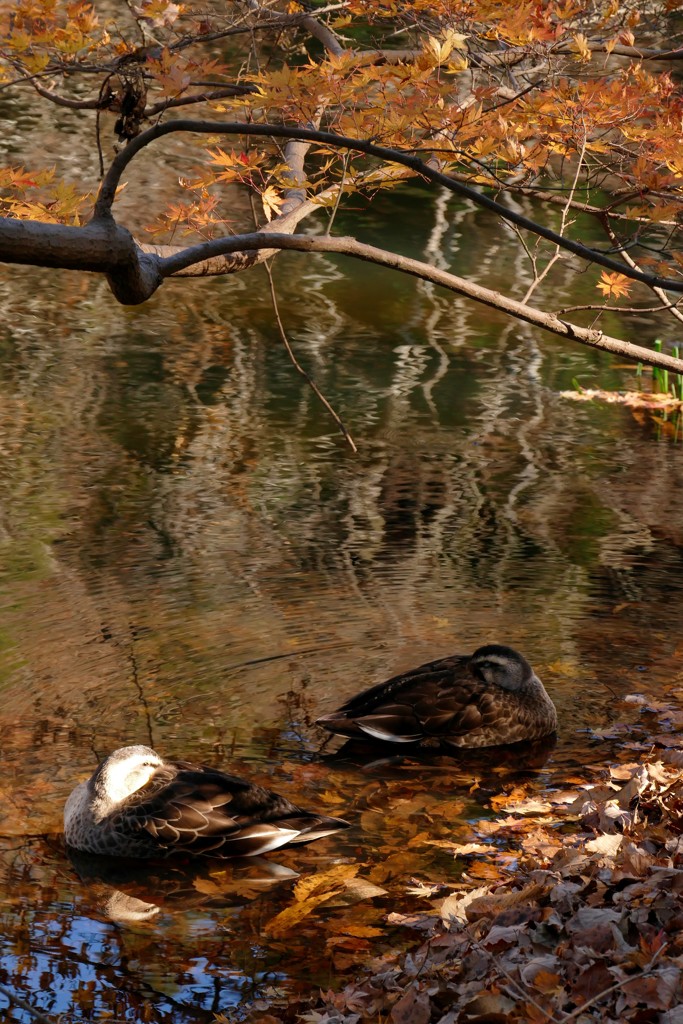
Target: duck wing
{"x": 199, "y": 810}
{"x": 440, "y": 698}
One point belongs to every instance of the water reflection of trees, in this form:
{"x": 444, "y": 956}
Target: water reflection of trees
{"x": 178, "y": 438}
{"x": 63, "y": 954}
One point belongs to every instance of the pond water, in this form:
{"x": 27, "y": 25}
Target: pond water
{"x": 191, "y": 557}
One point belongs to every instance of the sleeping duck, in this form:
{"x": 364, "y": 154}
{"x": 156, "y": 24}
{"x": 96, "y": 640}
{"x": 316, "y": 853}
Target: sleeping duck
{"x": 136, "y": 804}
{"x": 489, "y": 698}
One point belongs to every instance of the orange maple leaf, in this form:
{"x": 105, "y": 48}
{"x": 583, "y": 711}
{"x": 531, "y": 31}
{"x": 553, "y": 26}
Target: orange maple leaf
{"x": 614, "y": 285}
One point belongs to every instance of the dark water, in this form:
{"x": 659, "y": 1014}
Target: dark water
{"x": 192, "y": 558}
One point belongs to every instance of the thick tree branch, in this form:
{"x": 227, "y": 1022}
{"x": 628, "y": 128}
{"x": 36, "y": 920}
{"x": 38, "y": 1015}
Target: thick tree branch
{"x": 134, "y": 275}
{"x": 101, "y": 247}
{"x": 111, "y": 181}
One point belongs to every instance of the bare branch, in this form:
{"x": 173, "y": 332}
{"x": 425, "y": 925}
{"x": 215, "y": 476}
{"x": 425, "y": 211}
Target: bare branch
{"x": 661, "y": 295}
{"x": 34, "y": 1014}
{"x": 351, "y": 247}
{"x": 64, "y": 101}
{"x": 563, "y": 224}
{"x": 219, "y": 93}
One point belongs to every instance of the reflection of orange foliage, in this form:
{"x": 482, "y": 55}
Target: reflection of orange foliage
{"x": 633, "y": 399}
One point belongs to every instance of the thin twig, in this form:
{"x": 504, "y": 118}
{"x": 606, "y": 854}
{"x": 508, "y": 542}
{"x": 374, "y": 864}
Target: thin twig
{"x": 659, "y": 292}
{"x": 23, "y": 1005}
{"x": 519, "y": 987}
{"x": 283, "y": 334}
{"x": 563, "y": 225}
{"x": 614, "y": 309}
{"x": 340, "y": 192}
{"x": 299, "y": 368}
{"x": 612, "y": 988}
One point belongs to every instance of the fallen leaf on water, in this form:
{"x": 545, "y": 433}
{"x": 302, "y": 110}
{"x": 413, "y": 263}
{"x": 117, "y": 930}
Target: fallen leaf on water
{"x": 459, "y": 850}
{"x": 206, "y": 886}
{"x": 530, "y": 805}
{"x": 359, "y": 931}
{"x": 632, "y": 399}
{"x": 424, "y": 889}
{"x": 482, "y": 869}
{"x": 311, "y": 885}
{"x": 294, "y": 914}
{"x": 355, "y": 890}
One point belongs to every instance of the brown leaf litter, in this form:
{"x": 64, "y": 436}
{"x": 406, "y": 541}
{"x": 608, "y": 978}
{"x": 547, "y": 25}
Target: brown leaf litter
{"x": 581, "y": 920}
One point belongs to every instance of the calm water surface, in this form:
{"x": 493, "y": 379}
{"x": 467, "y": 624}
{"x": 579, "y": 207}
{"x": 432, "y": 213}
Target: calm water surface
{"x": 191, "y": 557}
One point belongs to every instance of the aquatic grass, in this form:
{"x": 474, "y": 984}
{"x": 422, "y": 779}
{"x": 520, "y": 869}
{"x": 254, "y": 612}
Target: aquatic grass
{"x": 679, "y": 377}
{"x": 664, "y": 382}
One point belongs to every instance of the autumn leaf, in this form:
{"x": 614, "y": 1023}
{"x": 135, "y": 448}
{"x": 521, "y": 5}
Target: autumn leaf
{"x": 453, "y": 908}
{"x": 294, "y": 914}
{"x": 614, "y": 285}
{"x": 360, "y": 931}
{"x": 159, "y": 13}
{"x": 324, "y": 881}
{"x": 581, "y": 47}
{"x": 412, "y": 1008}
{"x": 607, "y": 844}
{"x": 271, "y": 202}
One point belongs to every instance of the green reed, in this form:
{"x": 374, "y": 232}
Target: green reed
{"x": 663, "y": 381}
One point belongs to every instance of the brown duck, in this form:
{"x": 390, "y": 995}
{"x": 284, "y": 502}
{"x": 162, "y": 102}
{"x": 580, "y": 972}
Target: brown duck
{"x": 137, "y": 804}
{"x": 489, "y": 698}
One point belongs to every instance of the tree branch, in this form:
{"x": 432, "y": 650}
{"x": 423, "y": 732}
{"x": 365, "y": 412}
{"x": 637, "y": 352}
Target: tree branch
{"x": 111, "y": 180}
{"x": 100, "y": 247}
{"x": 351, "y": 247}
{"x": 134, "y": 275}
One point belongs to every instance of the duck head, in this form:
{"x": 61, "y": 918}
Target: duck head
{"x": 123, "y": 772}
{"x": 504, "y": 667}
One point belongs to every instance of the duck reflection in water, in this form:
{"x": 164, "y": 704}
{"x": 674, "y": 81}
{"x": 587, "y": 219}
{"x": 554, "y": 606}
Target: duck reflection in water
{"x": 491, "y": 698}
{"x": 134, "y": 891}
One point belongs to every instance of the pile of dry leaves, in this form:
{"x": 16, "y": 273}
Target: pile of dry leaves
{"x": 582, "y": 919}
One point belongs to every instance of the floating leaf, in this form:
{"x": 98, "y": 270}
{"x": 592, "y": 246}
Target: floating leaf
{"x": 336, "y": 877}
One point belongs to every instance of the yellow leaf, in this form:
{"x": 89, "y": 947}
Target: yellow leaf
{"x": 457, "y": 66}
{"x": 614, "y": 285}
{"x": 581, "y": 47}
{"x": 271, "y": 202}
{"x": 311, "y": 885}
{"x": 291, "y": 916}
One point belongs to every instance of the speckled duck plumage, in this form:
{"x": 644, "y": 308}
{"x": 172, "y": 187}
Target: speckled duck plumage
{"x": 137, "y": 804}
{"x": 490, "y": 698}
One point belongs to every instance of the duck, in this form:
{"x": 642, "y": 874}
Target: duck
{"x": 490, "y": 698}
{"x": 138, "y": 804}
